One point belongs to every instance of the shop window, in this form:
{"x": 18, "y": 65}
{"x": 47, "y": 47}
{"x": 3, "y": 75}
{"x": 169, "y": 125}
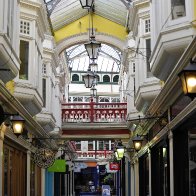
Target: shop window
{"x": 178, "y": 8}
{"x": 144, "y": 175}
{"x": 75, "y": 77}
{"x": 115, "y": 78}
{"x": 106, "y": 78}
{"x": 192, "y": 162}
{"x": 160, "y": 169}
{"x": 24, "y": 57}
{"x": 14, "y": 172}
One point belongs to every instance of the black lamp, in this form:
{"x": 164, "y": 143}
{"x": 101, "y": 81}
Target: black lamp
{"x": 86, "y": 4}
{"x": 137, "y": 142}
{"x": 17, "y": 125}
{"x": 93, "y": 92}
{"x": 94, "y": 66}
{"x": 92, "y": 47}
{"x": 88, "y": 78}
{"x": 188, "y": 79}
{"x": 13, "y": 120}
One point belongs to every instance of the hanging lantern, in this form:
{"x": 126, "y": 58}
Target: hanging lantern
{"x": 86, "y": 4}
{"x": 92, "y": 47}
{"x": 137, "y": 142}
{"x": 88, "y": 79}
{"x": 188, "y": 79}
{"x": 94, "y": 66}
{"x": 17, "y": 125}
{"x": 93, "y": 92}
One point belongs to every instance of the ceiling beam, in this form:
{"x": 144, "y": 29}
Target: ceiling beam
{"x": 51, "y": 5}
{"x": 126, "y": 3}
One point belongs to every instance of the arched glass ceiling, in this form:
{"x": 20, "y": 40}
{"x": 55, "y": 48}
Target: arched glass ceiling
{"x": 63, "y": 12}
{"x": 108, "y": 60}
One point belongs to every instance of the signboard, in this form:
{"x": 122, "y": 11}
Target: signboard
{"x": 106, "y": 190}
{"x": 59, "y": 165}
{"x": 114, "y": 166}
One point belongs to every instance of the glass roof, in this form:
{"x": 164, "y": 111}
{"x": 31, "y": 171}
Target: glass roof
{"x": 63, "y": 12}
{"x": 108, "y": 60}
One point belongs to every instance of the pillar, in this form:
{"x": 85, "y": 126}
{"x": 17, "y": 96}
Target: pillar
{"x": 43, "y": 181}
{"x": 132, "y": 180}
{"x": 28, "y": 172}
{"x": 171, "y": 161}
{"x": 1, "y": 158}
{"x": 150, "y": 173}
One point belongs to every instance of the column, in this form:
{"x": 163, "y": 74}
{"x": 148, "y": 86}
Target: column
{"x": 132, "y": 180}
{"x": 170, "y": 136}
{"x": 1, "y": 159}
{"x": 136, "y": 177}
{"x": 43, "y": 181}
{"x": 150, "y": 173}
{"x": 28, "y": 172}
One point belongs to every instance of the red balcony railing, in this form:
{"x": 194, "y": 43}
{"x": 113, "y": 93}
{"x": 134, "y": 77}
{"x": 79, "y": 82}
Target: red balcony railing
{"x": 94, "y": 112}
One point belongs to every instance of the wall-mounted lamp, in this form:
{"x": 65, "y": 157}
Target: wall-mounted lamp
{"x": 117, "y": 157}
{"x": 13, "y": 120}
{"x": 86, "y": 4}
{"x": 188, "y": 79}
{"x": 17, "y": 125}
{"x": 137, "y": 141}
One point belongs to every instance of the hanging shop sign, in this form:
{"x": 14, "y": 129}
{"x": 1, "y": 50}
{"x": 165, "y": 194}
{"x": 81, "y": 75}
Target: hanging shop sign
{"x": 114, "y": 166}
{"x": 59, "y": 165}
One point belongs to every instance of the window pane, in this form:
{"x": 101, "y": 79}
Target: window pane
{"x": 24, "y": 57}
{"x": 44, "y": 91}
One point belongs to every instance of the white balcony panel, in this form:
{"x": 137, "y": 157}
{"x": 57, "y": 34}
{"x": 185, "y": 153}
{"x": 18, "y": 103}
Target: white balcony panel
{"x": 145, "y": 95}
{"x": 168, "y": 49}
{"x": 29, "y": 97}
{"x": 46, "y": 120}
{"x": 9, "y": 60}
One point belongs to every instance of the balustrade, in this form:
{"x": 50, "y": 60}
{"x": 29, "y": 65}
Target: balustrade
{"x": 94, "y": 112}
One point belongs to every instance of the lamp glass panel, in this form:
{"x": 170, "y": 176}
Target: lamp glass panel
{"x": 137, "y": 145}
{"x": 191, "y": 82}
{"x": 86, "y": 4}
{"x": 18, "y": 127}
{"x": 88, "y": 80}
{"x": 92, "y": 49}
{"x": 94, "y": 66}
{"x": 93, "y": 92}
{"x": 120, "y": 152}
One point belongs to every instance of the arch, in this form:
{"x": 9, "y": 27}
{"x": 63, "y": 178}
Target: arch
{"x": 100, "y": 24}
{"x": 84, "y": 37}
{"x": 75, "y": 77}
{"x": 106, "y": 78}
{"x": 116, "y": 78}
